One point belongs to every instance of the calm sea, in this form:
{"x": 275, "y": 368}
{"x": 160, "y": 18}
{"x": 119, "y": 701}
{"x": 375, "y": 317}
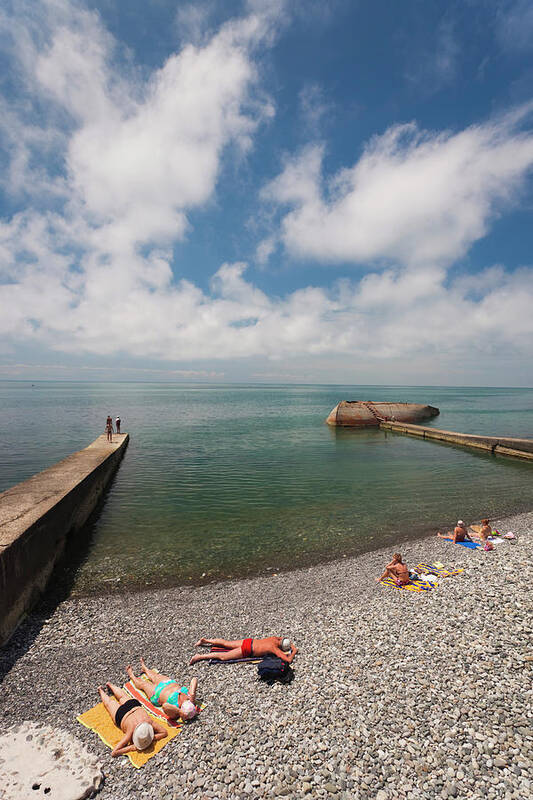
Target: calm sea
{"x": 231, "y": 480}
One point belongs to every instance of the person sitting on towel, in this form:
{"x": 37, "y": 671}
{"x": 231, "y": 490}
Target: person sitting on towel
{"x": 139, "y": 729}
{"x": 247, "y": 648}
{"x": 396, "y": 570}
{"x": 460, "y": 533}
{"x": 485, "y": 531}
{"x": 175, "y": 700}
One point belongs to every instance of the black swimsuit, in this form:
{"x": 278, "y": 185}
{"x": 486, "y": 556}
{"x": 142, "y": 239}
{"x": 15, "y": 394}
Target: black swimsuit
{"x": 124, "y": 709}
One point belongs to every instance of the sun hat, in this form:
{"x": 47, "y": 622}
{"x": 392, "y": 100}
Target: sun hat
{"x": 188, "y": 709}
{"x": 143, "y": 736}
{"x": 285, "y": 644}
{"x": 460, "y": 522}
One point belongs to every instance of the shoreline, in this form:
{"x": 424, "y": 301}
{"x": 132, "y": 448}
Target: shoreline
{"x": 396, "y": 694}
{"x": 111, "y": 587}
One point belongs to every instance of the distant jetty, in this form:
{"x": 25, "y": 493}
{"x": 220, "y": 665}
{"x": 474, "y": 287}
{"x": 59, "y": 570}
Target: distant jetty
{"x": 403, "y": 418}
{"x": 370, "y": 414}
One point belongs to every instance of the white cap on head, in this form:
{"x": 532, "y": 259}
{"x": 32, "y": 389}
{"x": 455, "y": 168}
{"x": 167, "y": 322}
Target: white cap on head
{"x": 460, "y": 522}
{"x": 285, "y": 644}
{"x": 143, "y": 735}
{"x": 188, "y": 709}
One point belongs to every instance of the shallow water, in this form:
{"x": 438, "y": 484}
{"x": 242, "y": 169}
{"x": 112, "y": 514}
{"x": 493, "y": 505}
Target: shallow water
{"x": 231, "y": 480}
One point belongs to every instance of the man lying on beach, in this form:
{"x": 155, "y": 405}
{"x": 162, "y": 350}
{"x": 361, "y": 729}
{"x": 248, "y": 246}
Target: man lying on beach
{"x": 139, "y": 729}
{"x": 396, "y": 570}
{"x": 175, "y": 700}
{"x": 247, "y": 648}
{"x": 460, "y": 533}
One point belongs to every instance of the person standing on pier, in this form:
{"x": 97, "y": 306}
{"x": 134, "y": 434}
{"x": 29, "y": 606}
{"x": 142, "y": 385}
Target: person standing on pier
{"x": 117, "y": 424}
{"x": 109, "y": 428}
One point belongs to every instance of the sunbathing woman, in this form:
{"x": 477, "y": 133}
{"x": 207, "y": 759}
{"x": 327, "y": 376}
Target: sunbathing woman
{"x": 460, "y": 533}
{"x": 247, "y": 648}
{"x": 139, "y": 729}
{"x": 484, "y": 532}
{"x": 175, "y": 700}
{"x": 396, "y": 570}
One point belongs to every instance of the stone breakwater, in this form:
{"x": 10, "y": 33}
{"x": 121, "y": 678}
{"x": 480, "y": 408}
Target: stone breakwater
{"x": 396, "y": 694}
{"x": 40, "y": 515}
{"x": 497, "y": 445}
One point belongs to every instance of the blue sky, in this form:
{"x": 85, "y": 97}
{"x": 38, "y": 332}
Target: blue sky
{"x": 267, "y": 191}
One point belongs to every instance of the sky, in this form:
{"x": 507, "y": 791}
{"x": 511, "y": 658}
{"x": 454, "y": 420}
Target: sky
{"x": 314, "y": 191}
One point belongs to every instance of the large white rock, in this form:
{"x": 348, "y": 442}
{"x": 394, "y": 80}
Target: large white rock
{"x": 37, "y": 761}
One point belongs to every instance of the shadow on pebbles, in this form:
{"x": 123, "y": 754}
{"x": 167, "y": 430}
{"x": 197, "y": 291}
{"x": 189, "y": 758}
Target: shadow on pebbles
{"x": 396, "y": 694}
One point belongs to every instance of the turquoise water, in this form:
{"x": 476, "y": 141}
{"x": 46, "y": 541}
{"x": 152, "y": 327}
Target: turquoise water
{"x": 230, "y": 480}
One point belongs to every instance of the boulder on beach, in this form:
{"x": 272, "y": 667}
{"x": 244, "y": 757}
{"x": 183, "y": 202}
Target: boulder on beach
{"x": 37, "y": 760}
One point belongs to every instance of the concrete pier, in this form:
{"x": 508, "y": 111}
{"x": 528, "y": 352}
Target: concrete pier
{"x": 497, "y": 445}
{"x": 38, "y": 516}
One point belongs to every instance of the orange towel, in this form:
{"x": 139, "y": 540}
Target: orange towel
{"x": 156, "y": 711}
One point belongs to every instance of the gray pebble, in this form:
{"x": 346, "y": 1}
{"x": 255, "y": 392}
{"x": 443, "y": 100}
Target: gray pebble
{"x": 396, "y": 696}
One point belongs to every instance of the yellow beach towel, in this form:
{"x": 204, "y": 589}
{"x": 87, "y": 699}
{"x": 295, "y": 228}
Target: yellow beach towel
{"x": 437, "y": 569}
{"x": 98, "y": 720}
{"x": 416, "y": 585}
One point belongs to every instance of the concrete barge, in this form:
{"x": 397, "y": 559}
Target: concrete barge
{"x": 40, "y": 514}
{"x": 370, "y": 414}
{"x": 403, "y": 418}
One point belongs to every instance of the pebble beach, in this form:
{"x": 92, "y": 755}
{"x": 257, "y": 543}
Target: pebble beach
{"x": 396, "y": 694}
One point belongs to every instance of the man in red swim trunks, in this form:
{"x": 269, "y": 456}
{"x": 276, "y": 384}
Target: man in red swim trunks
{"x": 246, "y": 648}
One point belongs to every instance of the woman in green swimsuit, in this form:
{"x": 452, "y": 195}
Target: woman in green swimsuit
{"x": 174, "y": 699}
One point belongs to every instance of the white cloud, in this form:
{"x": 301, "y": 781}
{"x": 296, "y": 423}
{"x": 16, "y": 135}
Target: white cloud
{"x": 138, "y": 156}
{"x": 413, "y": 196}
{"x": 37, "y": 371}
{"x": 86, "y": 267}
{"x": 396, "y": 314}
{"x": 402, "y": 315}
{"x": 138, "y": 164}
{"x": 265, "y": 249}
{"x": 193, "y": 20}
{"x": 131, "y": 159}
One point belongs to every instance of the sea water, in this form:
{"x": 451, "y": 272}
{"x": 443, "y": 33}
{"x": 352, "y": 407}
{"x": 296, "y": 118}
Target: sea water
{"x": 227, "y": 480}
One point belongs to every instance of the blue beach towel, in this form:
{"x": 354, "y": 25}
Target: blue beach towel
{"x": 249, "y": 660}
{"x": 470, "y": 545}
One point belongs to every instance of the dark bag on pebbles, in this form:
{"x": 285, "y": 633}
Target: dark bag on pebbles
{"x": 273, "y": 669}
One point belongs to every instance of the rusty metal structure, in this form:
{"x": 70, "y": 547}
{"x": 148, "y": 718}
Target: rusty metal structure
{"x": 370, "y": 414}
